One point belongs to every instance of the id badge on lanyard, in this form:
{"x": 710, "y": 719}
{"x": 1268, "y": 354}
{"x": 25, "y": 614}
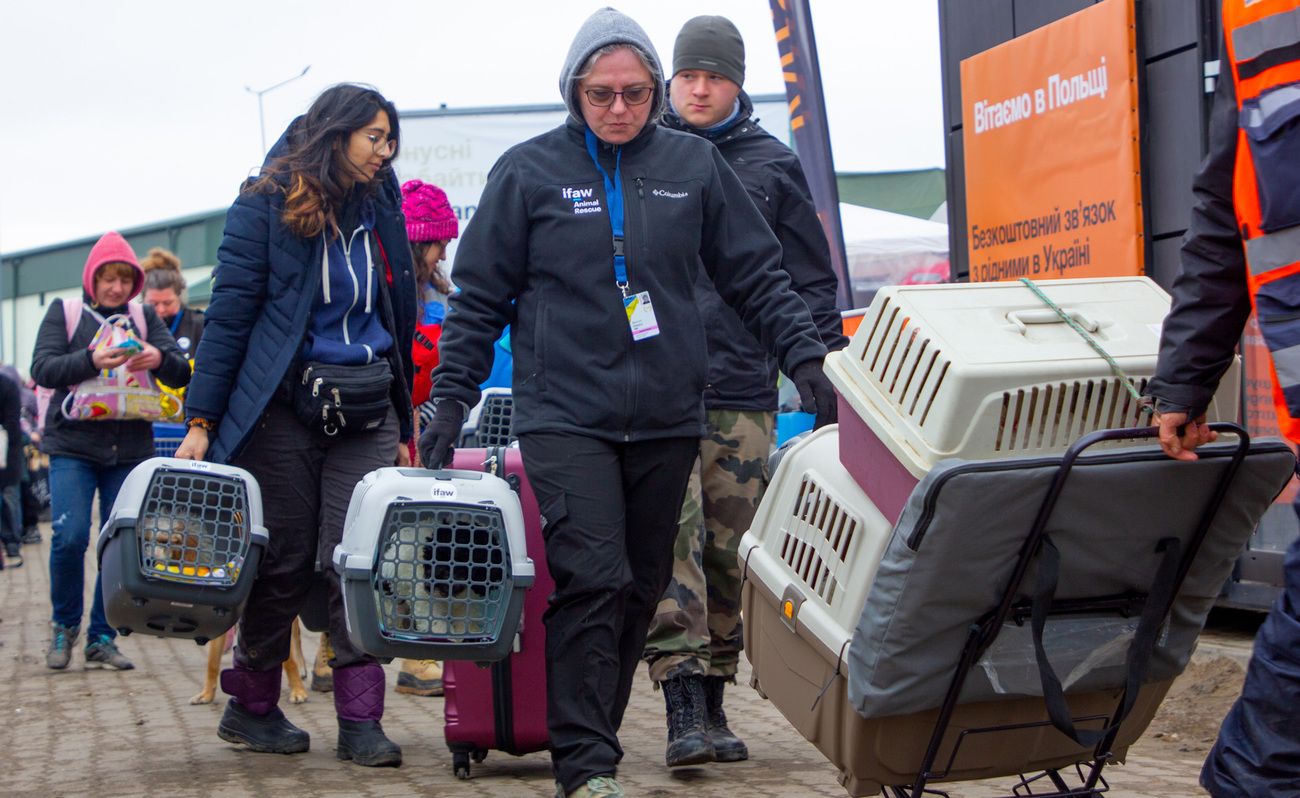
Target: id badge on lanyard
{"x": 638, "y": 307}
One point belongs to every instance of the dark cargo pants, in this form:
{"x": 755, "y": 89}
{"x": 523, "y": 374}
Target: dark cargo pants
{"x": 306, "y": 480}
{"x": 609, "y": 515}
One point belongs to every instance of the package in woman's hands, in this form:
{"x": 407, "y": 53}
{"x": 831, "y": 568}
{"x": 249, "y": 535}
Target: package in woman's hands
{"x": 117, "y": 393}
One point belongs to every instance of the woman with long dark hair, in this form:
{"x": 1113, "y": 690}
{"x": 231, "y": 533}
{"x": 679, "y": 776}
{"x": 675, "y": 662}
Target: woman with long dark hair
{"x": 313, "y": 289}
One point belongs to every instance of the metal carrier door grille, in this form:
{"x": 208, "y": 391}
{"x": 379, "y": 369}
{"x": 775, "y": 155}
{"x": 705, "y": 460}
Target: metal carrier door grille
{"x": 194, "y": 528}
{"x": 443, "y": 573}
{"x": 494, "y": 427}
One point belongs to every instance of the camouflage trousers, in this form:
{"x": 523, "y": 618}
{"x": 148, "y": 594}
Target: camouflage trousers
{"x": 696, "y": 629}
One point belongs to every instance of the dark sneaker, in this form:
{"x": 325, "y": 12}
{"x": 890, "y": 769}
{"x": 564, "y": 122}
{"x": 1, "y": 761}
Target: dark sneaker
{"x": 13, "y": 555}
{"x": 60, "y": 651}
{"x": 31, "y": 535}
{"x": 271, "y": 733}
{"x": 103, "y": 653}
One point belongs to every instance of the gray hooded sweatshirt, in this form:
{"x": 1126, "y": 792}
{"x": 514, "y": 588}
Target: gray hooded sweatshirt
{"x": 608, "y": 26}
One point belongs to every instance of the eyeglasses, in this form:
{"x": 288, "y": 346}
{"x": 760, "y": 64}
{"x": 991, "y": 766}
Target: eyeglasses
{"x": 381, "y": 143}
{"x": 602, "y": 98}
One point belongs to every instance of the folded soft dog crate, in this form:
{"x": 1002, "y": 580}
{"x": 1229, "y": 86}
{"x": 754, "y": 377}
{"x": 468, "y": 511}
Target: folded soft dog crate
{"x": 180, "y": 549}
{"x": 989, "y": 370}
{"x": 433, "y": 564}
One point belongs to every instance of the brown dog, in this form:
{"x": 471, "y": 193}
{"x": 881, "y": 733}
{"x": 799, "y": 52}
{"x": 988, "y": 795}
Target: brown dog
{"x": 294, "y": 668}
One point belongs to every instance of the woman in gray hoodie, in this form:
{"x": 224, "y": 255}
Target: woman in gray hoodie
{"x": 588, "y": 240}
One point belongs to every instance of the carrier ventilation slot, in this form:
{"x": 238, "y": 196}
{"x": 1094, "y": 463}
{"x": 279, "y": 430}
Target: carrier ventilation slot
{"x": 194, "y": 528}
{"x": 907, "y": 364}
{"x": 1055, "y": 415}
{"x": 819, "y": 532}
{"x": 442, "y": 573}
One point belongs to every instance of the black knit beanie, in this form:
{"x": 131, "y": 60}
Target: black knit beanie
{"x": 712, "y": 44}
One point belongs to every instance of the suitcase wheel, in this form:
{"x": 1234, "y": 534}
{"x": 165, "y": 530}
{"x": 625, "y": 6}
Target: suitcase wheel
{"x": 460, "y": 764}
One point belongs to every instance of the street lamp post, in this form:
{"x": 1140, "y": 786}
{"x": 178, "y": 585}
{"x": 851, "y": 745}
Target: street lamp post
{"x": 261, "y": 120}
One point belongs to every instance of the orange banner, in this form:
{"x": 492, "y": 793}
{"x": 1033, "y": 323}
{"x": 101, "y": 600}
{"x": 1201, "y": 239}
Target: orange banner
{"x": 1050, "y": 137}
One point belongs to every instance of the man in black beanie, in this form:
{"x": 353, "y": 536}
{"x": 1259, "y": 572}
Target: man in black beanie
{"x": 695, "y": 639}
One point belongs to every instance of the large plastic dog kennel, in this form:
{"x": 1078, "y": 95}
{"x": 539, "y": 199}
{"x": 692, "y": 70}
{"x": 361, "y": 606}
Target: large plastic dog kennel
{"x": 433, "y": 564}
{"x": 903, "y": 634}
{"x": 180, "y": 549}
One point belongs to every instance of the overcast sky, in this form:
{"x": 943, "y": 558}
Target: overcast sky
{"x": 127, "y": 113}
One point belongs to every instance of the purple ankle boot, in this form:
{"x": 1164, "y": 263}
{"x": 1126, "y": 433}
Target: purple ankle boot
{"x": 359, "y": 703}
{"x": 253, "y": 717}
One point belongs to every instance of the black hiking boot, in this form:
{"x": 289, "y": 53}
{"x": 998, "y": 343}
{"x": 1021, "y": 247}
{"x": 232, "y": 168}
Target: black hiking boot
{"x": 727, "y": 746}
{"x": 688, "y": 742}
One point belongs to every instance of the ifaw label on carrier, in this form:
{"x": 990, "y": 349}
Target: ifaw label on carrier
{"x": 443, "y": 491}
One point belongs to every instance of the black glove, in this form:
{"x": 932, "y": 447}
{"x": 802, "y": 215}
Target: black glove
{"x": 440, "y": 436}
{"x": 815, "y": 392}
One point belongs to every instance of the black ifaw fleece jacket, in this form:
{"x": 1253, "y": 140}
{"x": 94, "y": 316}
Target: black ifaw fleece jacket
{"x": 539, "y": 254}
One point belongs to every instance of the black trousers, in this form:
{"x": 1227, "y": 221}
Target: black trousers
{"x": 610, "y": 515}
{"x": 306, "y": 479}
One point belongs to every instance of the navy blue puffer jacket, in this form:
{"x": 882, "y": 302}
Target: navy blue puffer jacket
{"x": 263, "y": 289}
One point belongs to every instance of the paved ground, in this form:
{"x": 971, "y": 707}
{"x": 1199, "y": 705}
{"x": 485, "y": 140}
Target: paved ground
{"x": 133, "y": 733}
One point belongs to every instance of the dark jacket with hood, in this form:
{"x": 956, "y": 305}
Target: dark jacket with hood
{"x": 263, "y": 290}
{"x": 742, "y": 376}
{"x": 59, "y": 363}
{"x": 1211, "y": 300}
{"x": 189, "y": 330}
{"x": 539, "y": 254}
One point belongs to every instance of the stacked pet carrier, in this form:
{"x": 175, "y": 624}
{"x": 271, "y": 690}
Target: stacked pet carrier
{"x": 877, "y": 564}
{"x": 180, "y": 549}
{"x": 489, "y": 422}
{"x": 433, "y": 564}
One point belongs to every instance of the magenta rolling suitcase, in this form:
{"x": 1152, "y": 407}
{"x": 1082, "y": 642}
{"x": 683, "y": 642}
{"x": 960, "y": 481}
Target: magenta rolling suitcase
{"x": 502, "y": 707}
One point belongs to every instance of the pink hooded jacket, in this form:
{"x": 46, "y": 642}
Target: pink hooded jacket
{"x": 110, "y": 248}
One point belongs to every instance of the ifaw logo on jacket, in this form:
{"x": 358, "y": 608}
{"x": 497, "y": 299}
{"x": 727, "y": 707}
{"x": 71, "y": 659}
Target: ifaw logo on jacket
{"x": 584, "y": 199}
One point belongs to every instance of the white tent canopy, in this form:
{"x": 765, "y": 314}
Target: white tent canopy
{"x": 886, "y": 248}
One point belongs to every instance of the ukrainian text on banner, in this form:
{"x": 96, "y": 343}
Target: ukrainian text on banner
{"x": 1050, "y": 136}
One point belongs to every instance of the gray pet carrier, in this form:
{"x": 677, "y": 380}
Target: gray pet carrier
{"x": 180, "y": 549}
{"x": 433, "y": 565}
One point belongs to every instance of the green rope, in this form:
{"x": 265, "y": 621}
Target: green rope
{"x": 1115, "y": 367}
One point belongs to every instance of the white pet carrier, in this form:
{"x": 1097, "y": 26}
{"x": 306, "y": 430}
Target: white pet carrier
{"x": 180, "y": 548}
{"x": 433, "y": 564}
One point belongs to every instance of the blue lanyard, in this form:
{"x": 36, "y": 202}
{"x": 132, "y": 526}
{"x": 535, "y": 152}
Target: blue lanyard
{"x": 614, "y": 198}
{"x": 176, "y": 321}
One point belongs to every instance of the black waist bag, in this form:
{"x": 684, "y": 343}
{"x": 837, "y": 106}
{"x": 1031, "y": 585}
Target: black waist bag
{"x": 342, "y": 399}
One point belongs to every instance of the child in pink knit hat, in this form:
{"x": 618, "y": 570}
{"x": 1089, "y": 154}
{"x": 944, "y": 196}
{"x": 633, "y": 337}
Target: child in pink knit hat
{"x": 430, "y": 224}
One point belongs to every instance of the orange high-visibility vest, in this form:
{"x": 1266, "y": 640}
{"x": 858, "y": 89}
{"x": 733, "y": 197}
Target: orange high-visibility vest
{"x": 1263, "y": 40}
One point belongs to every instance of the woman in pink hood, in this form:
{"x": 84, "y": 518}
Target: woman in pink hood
{"x": 90, "y": 456}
